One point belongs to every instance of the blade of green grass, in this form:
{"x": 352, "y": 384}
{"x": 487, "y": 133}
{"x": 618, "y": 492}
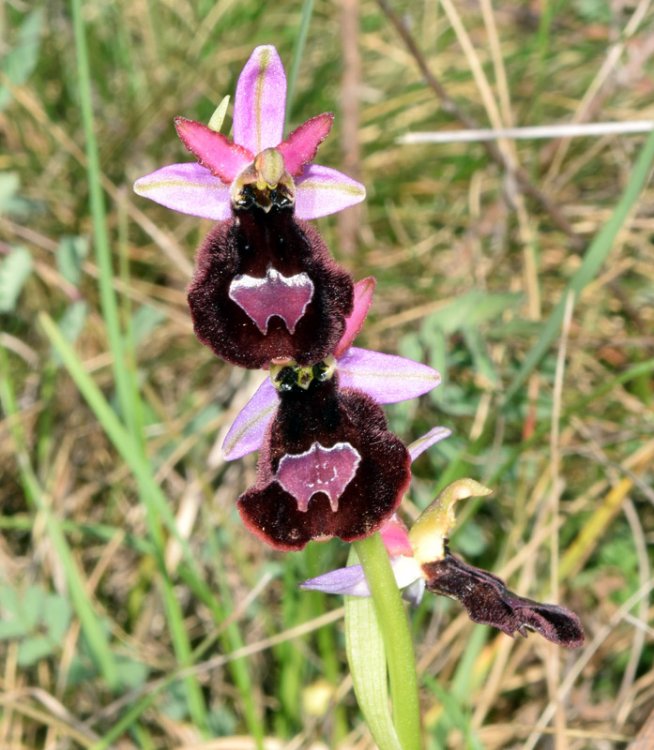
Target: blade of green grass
{"x": 99, "y": 218}
{"x": 298, "y": 52}
{"x": 595, "y": 256}
{"x": 117, "y": 433}
{"x": 89, "y": 620}
{"x": 154, "y": 500}
{"x": 232, "y": 640}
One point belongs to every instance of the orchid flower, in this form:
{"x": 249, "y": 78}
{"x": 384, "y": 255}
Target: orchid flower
{"x": 265, "y": 286}
{"x": 211, "y": 187}
{"x": 386, "y": 378}
{"x": 328, "y": 465}
{"x": 421, "y": 559}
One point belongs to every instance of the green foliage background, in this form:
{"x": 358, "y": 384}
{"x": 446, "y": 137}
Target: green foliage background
{"x": 135, "y": 611}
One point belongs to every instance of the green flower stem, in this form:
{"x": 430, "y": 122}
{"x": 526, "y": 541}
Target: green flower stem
{"x": 394, "y": 626}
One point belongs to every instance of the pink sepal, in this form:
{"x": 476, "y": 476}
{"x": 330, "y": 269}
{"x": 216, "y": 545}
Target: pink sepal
{"x": 249, "y": 428}
{"x": 363, "y": 291}
{"x": 321, "y": 191}
{"x": 386, "y": 377}
{"x": 260, "y": 101}
{"x": 187, "y": 188}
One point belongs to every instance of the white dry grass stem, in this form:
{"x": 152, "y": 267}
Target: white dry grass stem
{"x": 569, "y": 130}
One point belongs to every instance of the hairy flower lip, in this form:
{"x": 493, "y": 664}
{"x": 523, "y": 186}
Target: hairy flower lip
{"x": 351, "y": 472}
{"x": 265, "y": 286}
{"x": 203, "y": 188}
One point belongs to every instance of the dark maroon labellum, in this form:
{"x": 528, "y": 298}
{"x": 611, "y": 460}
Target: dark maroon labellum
{"x": 266, "y": 287}
{"x": 329, "y": 467}
{"x": 488, "y": 601}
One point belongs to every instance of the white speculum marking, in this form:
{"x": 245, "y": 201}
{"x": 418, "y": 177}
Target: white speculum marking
{"x": 318, "y": 469}
{"x": 275, "y": 294}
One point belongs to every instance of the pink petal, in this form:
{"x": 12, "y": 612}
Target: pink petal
{"x": 385, "y": 377}
{"x": 395, "y": 536}
{"x": 188, "y": 188}
{"x": 260, "y": 101}
{"x": 435, "y": 435}
{"x": 322, "y": 191}
{"x": 286, "y": 297}
{"x": 213, "y": 150}
{"x": 363, "y": 291}
{"x": 300, "y": 148}
{"x": 319, "y": 469}
{"x": 247, "y": 432}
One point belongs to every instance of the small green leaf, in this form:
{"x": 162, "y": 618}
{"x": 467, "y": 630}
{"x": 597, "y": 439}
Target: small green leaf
{"x": 144, "y": 322}
{"x": 34, "y": 649}
{"x": 57, "y": 616}
{"x": 71, "y": 323}
{"x": 19, "y": 63}
{"x": 9, "y": 185}
{"x": 367, "y": 660}
{"x": 71, "y": 253}
{"x": 11, "y": 624}
{"x": 218, "y": 117}
{"x": 483, "y": 365}
{"x": 32, "y": 606}
{"x": 131, "y": 674}
{"x": 14, "y": 272}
